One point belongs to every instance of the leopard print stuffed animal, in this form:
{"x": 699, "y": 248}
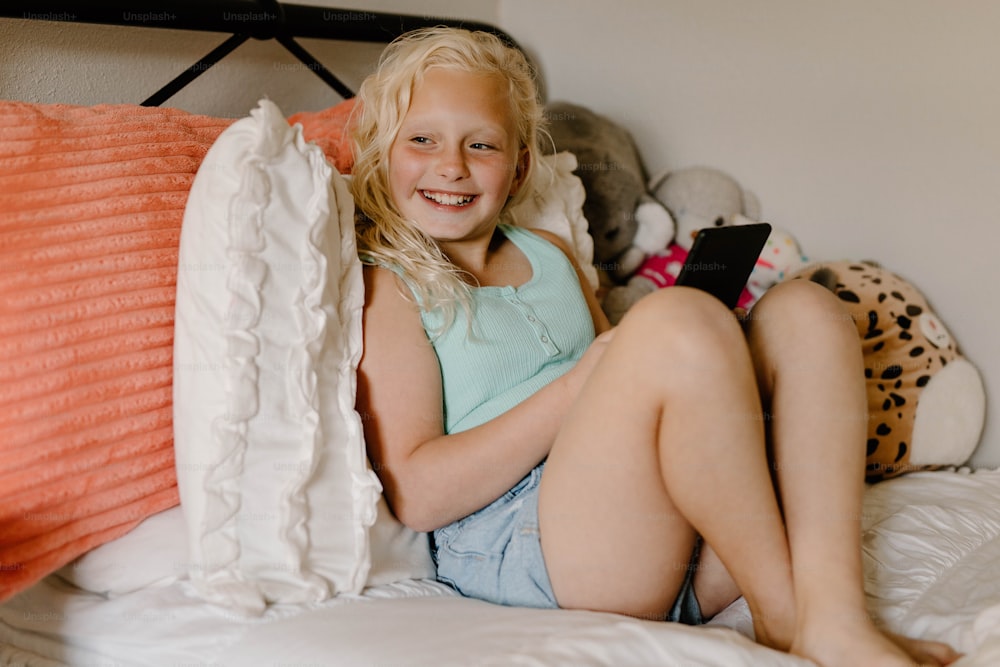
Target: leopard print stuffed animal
{"x": 926, "y": 402}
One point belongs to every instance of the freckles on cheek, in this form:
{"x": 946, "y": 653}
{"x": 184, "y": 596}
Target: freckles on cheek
{"x": 401, "y": 165}
{"x": 396, "y": 174}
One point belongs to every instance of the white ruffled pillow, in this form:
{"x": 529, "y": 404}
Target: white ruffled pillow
{"x": 274, "y": 482}
{"x": 557, "y": 207}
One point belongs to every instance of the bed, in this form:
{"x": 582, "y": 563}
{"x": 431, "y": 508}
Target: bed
{"x": 101, "y": 566}
{"x": 930, "y": 571}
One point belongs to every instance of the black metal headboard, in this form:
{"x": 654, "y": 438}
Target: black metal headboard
{"x": 243, "y": 19}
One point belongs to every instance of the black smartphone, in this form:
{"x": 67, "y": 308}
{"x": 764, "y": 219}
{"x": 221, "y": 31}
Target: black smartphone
{"x": 722, "y": 258}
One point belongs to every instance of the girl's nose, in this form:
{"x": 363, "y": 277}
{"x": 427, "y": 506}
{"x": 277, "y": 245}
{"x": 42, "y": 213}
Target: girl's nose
{"x": 451, "y": 163}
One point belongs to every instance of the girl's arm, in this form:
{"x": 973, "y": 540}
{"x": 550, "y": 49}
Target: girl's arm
{"x": 430, "y": 478}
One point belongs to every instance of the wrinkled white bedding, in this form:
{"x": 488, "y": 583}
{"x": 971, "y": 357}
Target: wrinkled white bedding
{"x": 932, "y": 558}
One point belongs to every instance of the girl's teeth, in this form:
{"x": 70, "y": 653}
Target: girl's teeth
{"x": 448, "y": 200}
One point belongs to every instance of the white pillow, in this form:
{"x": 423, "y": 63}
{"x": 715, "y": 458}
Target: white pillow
{"x": 398, "y": 552}
{"x": 274, "y": 482}
{"x": 153, "y": 553}
{"x": 557, "y": 207}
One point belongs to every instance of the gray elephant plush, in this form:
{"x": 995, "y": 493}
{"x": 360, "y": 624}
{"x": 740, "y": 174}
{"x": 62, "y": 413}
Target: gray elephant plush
{"x": 625, "y": 221}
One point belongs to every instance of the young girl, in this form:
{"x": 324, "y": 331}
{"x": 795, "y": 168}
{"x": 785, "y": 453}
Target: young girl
{"x": 660, "y": 469}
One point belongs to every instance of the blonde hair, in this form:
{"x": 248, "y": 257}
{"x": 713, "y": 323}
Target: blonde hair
{"x": 384, "y": 235}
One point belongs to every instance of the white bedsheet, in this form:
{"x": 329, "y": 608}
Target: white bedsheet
{"x": 932, "y": 555}
{"x": 932, "y": 558}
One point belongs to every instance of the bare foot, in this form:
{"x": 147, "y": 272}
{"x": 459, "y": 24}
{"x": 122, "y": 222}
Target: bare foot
{"x": 925, "y": 652}
{"x": 848, "y": 644}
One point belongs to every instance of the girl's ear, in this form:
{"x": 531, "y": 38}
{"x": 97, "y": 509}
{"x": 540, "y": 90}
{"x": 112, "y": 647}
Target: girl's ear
{"x": 520, "y": 171}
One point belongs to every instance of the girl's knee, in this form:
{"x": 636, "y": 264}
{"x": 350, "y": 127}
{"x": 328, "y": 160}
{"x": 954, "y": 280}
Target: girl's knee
{"x": 679, "y": 307}
{"x": 682, "y": 321}
{"x": 801, "y": 308}
{"x": 801, "y": 299}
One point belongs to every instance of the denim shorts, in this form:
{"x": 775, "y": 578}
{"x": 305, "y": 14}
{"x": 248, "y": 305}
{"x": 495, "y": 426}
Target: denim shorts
{"x": 495, "y": 554}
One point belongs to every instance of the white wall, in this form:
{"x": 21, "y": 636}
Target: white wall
{"x": 867, "y": 129}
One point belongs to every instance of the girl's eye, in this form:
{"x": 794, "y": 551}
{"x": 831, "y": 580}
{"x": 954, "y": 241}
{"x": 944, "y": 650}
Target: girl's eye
{"x": 420, "y": 140}
{"x": 480, "y": 146}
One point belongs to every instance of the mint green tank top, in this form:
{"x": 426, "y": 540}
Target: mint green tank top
{"x": 521, "y": 338}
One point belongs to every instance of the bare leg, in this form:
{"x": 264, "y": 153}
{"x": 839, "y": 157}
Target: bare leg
{"x": 810, "y": 371}
{"x": 668, "y": 436}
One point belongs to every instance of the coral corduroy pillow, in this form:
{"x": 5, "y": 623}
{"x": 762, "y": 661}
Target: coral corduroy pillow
{"x": 91, "y": 203}
{"x": 330, "y": 130}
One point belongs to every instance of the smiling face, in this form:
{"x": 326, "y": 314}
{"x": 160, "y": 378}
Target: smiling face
{"x": 457, "y": 156}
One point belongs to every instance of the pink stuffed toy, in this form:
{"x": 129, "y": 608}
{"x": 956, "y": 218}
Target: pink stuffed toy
{"x": 662, "y": 268}
{"x": 700, "y": 197}
{"x": 780, "y": 257}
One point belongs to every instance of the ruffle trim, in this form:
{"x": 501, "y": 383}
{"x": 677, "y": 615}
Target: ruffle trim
{"x": 312, "y": 312}
{"x": 344, "y": 298}
{"x": 302, "y": 383}
{"x": 220, "y": 579}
